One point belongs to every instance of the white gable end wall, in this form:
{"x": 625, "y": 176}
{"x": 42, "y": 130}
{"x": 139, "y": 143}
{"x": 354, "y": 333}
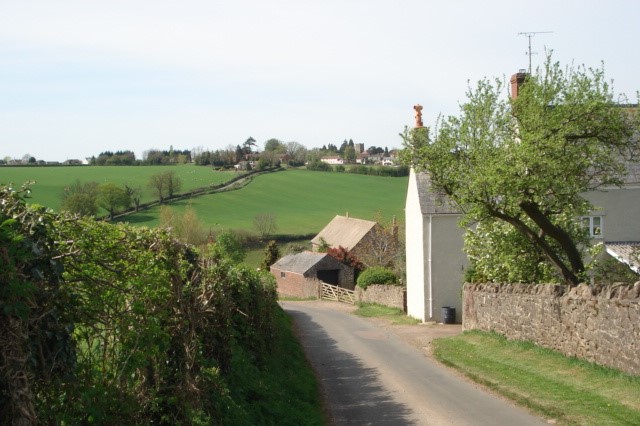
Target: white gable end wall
{"x": 417, "y": 295}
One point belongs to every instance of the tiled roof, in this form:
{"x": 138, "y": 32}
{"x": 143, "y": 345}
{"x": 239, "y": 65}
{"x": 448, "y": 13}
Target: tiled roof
{"x": 627, "y": 252}
{"x": 299, "y": 262}
{"x": 344, "y": 231}
{"x": 432, "y": 202}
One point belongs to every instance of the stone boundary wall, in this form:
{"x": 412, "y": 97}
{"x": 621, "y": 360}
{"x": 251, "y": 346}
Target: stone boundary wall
{"x": 394, "y": 296}
{"x": 600, "y": 324}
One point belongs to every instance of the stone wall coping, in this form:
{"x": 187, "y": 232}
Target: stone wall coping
{"x": 619, "y": 291}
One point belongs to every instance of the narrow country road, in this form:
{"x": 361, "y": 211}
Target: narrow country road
{"x": 371, "y": 377}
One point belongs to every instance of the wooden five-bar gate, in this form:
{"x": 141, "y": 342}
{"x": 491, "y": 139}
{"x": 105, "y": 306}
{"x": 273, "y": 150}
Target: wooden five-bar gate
{"x": 332, "y": 292}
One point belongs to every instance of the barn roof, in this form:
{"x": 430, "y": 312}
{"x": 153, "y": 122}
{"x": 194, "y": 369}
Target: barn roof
{"x": 344, "y": 231}
{"x": 299, "y": 262}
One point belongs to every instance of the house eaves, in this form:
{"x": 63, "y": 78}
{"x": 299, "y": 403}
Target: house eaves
{"x": 626, "y": 252}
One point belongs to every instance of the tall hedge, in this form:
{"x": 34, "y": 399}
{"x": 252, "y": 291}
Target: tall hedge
{"x": 112, "y": 324}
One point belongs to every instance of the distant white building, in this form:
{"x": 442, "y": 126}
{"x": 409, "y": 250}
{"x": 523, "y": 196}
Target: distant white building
{"x": 333, "y": 160}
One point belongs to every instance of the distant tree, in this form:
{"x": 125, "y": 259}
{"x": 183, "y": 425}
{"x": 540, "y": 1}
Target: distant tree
{"x": 265, "y": 224}
{"x": 111, "y": 197}
{"x": 154, "y": 157}
{"x": 349, "y": 154}
{"x": 331, "y": 148}
{"x": 271, "y": 255}
{"x": 228, "y": 244}
{"x": 294, "y": 248}
{"x": 165, "y": 184}
{"x": 235, "y": 155}
{"x": 382, "y": 247}
{"x": 314, "y": 155}
{"x": 268, "y": 159}
{"x": 275, "y": 145}
{"x": 185, "y": 226}
{"x": 297, "y": 153}
{"x": 81, "y": 198}
{"x": 249, "y": 145}
{"x": 158, "y": 185}
{"x": 318, "y": 166}
{"x": 191, "y": 229}
{"x": 173, "y": 183}
{"x": 135, "y": 194}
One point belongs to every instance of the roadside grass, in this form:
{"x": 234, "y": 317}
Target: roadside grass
{"x": 295, "y": 299}
{"x": 283, "y": 390}
{"x": 302, "y": 201}
{"x": 567, "y": 390}
{"x": 51, "y": 181}
{"x": 397, "y": 316}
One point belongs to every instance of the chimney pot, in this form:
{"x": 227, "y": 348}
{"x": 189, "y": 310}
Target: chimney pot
{"x": 516, "y": 82}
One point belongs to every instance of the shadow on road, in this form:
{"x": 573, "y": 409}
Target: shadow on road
{"x": 353, "y": 393}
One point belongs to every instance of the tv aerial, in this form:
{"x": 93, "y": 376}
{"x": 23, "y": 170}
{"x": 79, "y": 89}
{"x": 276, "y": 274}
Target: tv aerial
{"x": 529, "y": 35}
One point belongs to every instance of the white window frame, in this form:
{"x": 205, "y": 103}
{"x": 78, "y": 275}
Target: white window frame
{"x": 595, "y": 225}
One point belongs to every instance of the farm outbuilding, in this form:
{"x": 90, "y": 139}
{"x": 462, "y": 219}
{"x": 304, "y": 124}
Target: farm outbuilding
{"x": 300, "y": 275}
{"x": 344, "y": 231}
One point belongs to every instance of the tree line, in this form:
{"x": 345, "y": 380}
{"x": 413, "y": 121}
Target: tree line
{"x": 85, "y": 198}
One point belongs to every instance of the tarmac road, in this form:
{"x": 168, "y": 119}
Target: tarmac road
{"x": 371, "y": 377}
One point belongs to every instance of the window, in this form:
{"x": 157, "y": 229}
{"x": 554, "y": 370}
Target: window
{"x": 594, "y": 225}
{"x": 282, "y": 275}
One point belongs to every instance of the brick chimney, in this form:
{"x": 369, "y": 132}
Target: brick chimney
{"x": 516, "y": 81}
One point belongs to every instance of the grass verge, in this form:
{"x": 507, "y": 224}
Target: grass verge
{"x": 281, "y": 391}
{"x": 395, "y": 315}
{"x": 567, "y": 390}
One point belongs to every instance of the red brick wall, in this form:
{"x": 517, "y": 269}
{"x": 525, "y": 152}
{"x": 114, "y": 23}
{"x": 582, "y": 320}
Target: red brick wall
{"x": 295, "y": 285}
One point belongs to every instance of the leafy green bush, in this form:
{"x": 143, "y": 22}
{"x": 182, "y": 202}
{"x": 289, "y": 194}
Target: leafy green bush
{"x": 319, "y": 166}
{"x": 377, "y": 275}
{"x": 112, "y": 324}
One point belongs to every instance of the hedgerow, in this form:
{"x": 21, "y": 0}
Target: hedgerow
{"x": 111, "y": 324}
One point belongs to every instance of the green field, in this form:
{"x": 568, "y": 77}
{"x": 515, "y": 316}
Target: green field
{"x": 50, "y": 181}
{"x": 302, "y": 201}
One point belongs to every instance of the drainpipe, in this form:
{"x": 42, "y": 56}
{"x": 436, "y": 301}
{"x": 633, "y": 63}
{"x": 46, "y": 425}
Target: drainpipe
{"x": 429, "y": 274}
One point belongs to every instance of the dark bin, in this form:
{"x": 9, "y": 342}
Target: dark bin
{"x": 448, "y": 315}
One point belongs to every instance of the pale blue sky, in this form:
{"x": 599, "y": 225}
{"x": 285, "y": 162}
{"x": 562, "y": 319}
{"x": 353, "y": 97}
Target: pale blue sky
{"x": 78, "y": 77}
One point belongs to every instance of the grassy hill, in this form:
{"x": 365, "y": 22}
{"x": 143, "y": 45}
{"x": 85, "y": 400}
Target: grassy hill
{"x": 50, "y": 181}
{"x": 302, "y": 201}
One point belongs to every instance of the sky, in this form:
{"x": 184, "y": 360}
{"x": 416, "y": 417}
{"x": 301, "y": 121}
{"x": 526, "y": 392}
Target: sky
{"x": 80, "y": 77}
